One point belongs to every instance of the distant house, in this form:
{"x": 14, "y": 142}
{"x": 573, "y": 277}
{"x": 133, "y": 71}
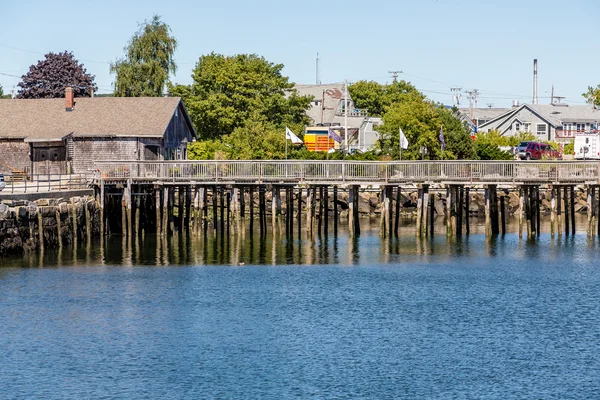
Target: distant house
{"x": 328, "y": 109}
{"x": 51, "y": 136}
{"x": 476, "y": 117}
{"x": 560, "y": 122}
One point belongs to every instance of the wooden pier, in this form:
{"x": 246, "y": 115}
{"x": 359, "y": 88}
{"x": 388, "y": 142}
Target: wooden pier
{"x": 222, "y": 196}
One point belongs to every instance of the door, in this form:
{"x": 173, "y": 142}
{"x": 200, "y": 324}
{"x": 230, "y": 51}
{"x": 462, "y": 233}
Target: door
{"x": 49, "y": 160}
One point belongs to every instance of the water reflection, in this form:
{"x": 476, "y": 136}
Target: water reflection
{"x": 281, "y": 248}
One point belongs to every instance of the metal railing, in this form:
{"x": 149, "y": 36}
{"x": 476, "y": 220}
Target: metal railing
{"x": 21, "y": 183}
{"x": 353, "y": 171}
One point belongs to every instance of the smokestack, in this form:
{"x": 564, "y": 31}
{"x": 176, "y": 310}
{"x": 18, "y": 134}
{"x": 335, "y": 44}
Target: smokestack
{"x": 69, "y": 98}
{"x": 535, "y": 99}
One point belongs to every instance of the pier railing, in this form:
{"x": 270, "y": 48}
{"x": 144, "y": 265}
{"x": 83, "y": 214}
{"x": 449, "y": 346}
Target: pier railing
{"x": 353, "y": 171}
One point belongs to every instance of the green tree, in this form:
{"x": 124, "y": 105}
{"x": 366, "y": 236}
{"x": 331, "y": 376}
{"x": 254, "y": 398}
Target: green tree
{"x": 593, "y": 95}
{"x": 1, "y": 91}
{"x": 144, "y": 71}
{"x": 457, "y": 134}
{"x": 227, "y": 92}
{"x": 376, "y": 97}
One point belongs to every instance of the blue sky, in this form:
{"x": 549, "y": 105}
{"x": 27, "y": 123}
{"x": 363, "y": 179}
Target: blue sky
{"x": 438, "y": 44}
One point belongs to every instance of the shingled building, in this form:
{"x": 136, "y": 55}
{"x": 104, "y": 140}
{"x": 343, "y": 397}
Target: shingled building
{"x": 66, "y": 135}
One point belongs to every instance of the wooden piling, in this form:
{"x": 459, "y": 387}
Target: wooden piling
{"x": 221, "y": 192}
{"x": 137, "y": 214}
{"x": 397, "y": 215}
{"x": 503, "y": 215}
{"x": 383, "y": 220}
{"x": 356, "y": 210}
{"x": 320, "y": 218}
{"x": 102, "y": 222}
{"x": 449, "y": 230}
{"x": 326, "y": 210}
{"x": 538, "y": 214}
{"x": 559, "y": 216}
{"x": 419, "y": 232}
{"x": 309, "y": 208}
{"x": 467, "y": 210}
{"x": 552, "y": 211}
{"x": 215, "y": 199}
{"x": 459, "y": 212}
{"x": 590, "y": 210}
{"x": 567, "y": 209}
{"x": 129, "y": 208}
{"x": 572, "y": 204}
{"x": 165, "y": 211}
{"x": 488, "y": 217}
{"x": 425, "y": 223}
{"x": 521, "y": 210}
{"x": 431, "y": 214}
{"x": 157, "y": 206}
{"x": 124, "y": 212}
{"x": 350, "y": 211}
{"x": 335, "y": 211}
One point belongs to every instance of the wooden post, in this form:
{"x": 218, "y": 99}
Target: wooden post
{"x": 275, "y": 193}
{"x": 157, "y": 208}
{"x": 335, "y": 211}
{"x": 204, "y": 206}
{"x": 459, "y": 212}
{"x": 326, "y": 210}
{"x": 590, "y": 210}
{"x": 299, "y": 213}
{"x": 292, "y": 213}
{"x": 488, "y": 219}
{"x": 503, "y": 214}
{"x": 228, "y": 206}
{"x": 320, "y": 218}
{"x": 165, "y": 211}
{"x": 129, "y": 207}
{"x": 521, "y": 209}
{"x": 196, "y": 210}
{"x": 493, "y": 200}
{"x": 397, "y": 216}
{"x": 425, "y": 212}
{"x": 215, "y": 200}
{"x": 221, "y": 192}
{"x": 559, "y": 216}
{"x": 124, "y": 212}
{"x": 101, "y": 209}
{"x": 418, "y": 232}
{"x": 538, "y": 214}
{"x": 261, "y": 210}
{"x": 309, "y": 208}
{"x": 467, "y": 210}
{"x": 356, "y": 210}
{"x": 383, "y": 220}
{"x": 180, "y": 207}
{"x": 431, "y": 214}
{"x": 552, "y": 211}
{"x": 572, "y": 204}
{"x": 59, "y": 227}
{"x": 137, "y": 215}
{"x": 188, "y": 208}
{"x": 567, "y": 208}
{"x": 449, "y": 231}
{"x": 350, "y": 211}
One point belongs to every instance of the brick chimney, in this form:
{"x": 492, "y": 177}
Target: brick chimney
{"x": 69, "y": 98}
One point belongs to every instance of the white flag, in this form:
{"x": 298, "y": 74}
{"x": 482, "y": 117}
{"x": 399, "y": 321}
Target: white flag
{"x": 291, "y": 136}
{"x": 403, "y": 140}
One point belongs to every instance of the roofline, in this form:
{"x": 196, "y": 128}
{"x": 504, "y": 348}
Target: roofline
{"x": 187, "y": 117}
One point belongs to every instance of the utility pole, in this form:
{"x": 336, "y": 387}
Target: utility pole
{"x": 318, "y": 80}
{"x": 457, "y": 96}
{"x": 395, "y": 75}
{"x": 473, "y": 96}
{"x": 490, "y": 105}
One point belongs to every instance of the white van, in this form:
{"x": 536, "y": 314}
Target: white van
{"x": 587, "y": 147}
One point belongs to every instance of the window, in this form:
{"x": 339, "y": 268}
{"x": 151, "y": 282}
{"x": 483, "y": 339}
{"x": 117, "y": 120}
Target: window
{"x": 517, "y": 127}
{"x": 527, "y": 127}
{"x": 541, "y": 129}
{"x": 580, "y": 127}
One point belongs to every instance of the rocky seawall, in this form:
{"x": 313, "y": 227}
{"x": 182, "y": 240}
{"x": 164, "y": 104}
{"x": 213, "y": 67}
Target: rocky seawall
{"x": 47, "y": 223}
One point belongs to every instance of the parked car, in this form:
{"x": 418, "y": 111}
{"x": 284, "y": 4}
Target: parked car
{"x": 2, "y": 183}
{"x": 541, "y": 151}
{"x": 521, "y": 153}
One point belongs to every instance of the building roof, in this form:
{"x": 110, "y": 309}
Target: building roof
{"x": 555, "y": 115}
{"x": 46, "y": 119}
{"x": 482, "y": 113}
{"x": 332, "y": 93}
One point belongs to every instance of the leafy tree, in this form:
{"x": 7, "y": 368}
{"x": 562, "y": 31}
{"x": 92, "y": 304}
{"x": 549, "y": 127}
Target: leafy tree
{"x": 1, "y": 91}
{"x": 593, "y": 95}
{"x": 227, "y": 92}
{"x": 49, "y": 78}
{"x": 457, "y": 135}
{"x": 144, "y": 71}
{"x": 489, "y": 151}
{"x": 375, "y": 97}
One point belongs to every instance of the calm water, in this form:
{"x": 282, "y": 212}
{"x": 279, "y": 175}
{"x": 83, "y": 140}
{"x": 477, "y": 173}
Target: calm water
{"x": 329, "y": 319}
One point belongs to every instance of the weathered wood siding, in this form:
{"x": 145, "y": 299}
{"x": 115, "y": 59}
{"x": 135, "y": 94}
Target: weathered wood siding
{"x": 88, "y": 150}
{"x": 178, "y": 133}
{"x": 14, "y": 153}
